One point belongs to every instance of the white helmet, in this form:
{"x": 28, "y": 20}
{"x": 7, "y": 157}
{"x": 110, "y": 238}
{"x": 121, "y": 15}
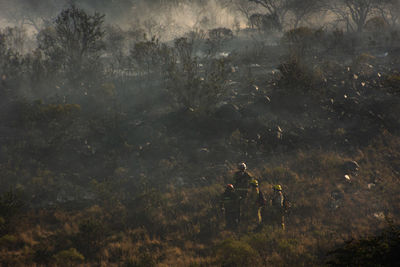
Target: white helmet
{"x": 242, "y": 166}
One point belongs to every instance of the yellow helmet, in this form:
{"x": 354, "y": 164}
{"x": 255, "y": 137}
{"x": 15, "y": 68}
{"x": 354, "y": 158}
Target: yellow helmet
{"x": 254, "y": 182}
{"x": 277, "y": 187}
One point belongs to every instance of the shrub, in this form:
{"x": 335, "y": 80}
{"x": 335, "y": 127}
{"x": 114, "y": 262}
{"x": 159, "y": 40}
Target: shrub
{"x": 194, "y": 85}
{"x": 380, "y": 250}
{"x": 299, "y": 78}
{"x": 299, "y": 40}
{"x": 393, "y": 82}
{"x": 8, "y": 241}
{"x": 236, "y": 253}
{"x": 90, "y": 238}
{"x": 68, "y": 257}
{"x": 10, "y": 205}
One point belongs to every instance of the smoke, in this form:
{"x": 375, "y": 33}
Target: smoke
{"x": 164, "y": 19}
{"x": 170, "y": 20}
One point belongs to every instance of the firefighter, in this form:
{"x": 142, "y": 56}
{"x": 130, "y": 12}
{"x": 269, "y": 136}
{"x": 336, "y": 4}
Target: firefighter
{"x": 230, "y": 207}
{"x": 254, "y": 203}
{"x": 242, "y": 181}
{"x": 279, "y": 206}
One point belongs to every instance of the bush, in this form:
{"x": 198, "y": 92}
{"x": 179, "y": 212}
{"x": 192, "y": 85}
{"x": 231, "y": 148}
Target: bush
{"x": 90, "y": 238}
{"x": 68, "y": 257}
{"x": 195, "y": 85}
{"x": 300, "y": 40}
{"x": 10, "y": 205}
{"x": 299, "y": 77}
{"x": 8, "y": 241}
{"x": 236, "y": 253}
{"x": 380, "y": 250}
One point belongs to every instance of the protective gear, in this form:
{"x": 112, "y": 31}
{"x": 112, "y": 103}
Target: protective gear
{"x": 230, "y": 207}
{"x": 277, "y": 187}
{"x": 254, "y": 183}
{"x": 242, "y": 181}
{"x": 242, "y": 166}
{"x": 242, "y": 185}
{"x": 254, "y": 204}
{"x": 279, "y": 206}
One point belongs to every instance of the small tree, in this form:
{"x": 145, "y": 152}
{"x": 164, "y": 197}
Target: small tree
{"x": 73, "y": 44}
{"x": 194, "y": 84}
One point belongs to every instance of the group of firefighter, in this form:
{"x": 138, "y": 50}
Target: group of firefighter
{"x": 244, "y": 204}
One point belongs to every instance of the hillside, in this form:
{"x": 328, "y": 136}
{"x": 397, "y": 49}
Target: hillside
{"x": 118, "y": 157}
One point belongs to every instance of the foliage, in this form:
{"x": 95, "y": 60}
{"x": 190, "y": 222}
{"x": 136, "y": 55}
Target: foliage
{"x": 236, "y": 253}
{"x": 299, "y": 40}
{"x": 90, "y": 238}
{"x": 193, "y": 85}
{"x": 10, "y": 206}
{"x": 301, "y": 78}
{"x": 379, "y": 250}
{"x": 68, "y": 257}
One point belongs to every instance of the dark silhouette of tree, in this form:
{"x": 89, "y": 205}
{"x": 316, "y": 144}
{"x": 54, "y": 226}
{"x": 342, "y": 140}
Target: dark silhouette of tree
{"x": 389, "y": 10}
{"x": 354, "y": 13}
{"x": 73, "y": 43}
{"x": 302, "y": 9}
{"x": 278, "y": 9}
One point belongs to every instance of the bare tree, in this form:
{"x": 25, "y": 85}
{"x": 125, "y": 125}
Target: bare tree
{"x": 278, "y": 9}
{"x": 354, "y": 13}
{"x": 244, "y": 7}
{"x": 389, "y": 10}
{"x": 263, "y": 22}
{"x": 74, "y": 43}
{"x": 302, "y": 9}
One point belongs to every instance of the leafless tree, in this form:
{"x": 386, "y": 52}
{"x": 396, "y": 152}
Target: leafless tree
{"x": 244, "y": 7}
{"x": 354, "y": 13}
{"x": 278, "y": 9}
{"x": 302, "y": 9}
{"x": 389, "y": 10}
